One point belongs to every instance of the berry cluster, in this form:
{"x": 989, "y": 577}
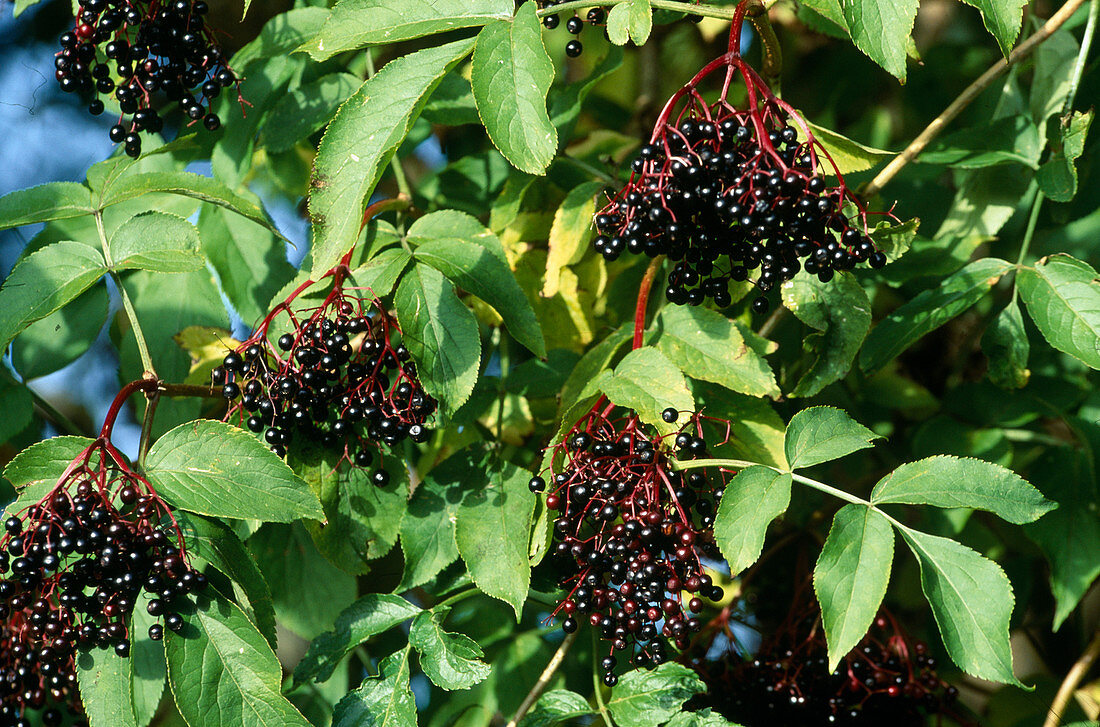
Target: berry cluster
{"x": 887, "y": 679}
{"x": 337, "y": 377}
{"x": 574, "y": 25}
{"x": 724, "y": 192}
{"x": 630, "y": 533}
{"x": 73, "y": 568}
{"x": 130, "y": 49}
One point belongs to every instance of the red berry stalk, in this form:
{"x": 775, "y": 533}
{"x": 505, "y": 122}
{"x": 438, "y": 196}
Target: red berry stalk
{"x": 725, "y": 192}
{"x": 631, "y": 533}
{"x": 334, "y": 374}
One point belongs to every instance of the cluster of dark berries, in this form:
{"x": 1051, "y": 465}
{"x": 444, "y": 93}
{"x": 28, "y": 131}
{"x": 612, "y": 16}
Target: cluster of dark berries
{"x": 887, "y": 679}
{"x": 630, "y": 533}
{"x": 574, "y": 25}
{"x": 337, "y": 377}
{"x": 726, "y": 192}
{"x": 74, "y": 566}
{"x": 131, "y": 49}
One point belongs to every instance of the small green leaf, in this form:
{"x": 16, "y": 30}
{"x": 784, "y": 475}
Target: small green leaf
{"x": 452, "y": 661}
{"x": 630, "y": 20}
{"x": 380, "y": 701}
{"x": 156, "y": 241}
{"x": 595, "y": 361}
{"x": 441, "y": 334}
{"x": 370, "y": 615}
{"x": 361, "y": 140}
{"x": 379, "y": 274}
{"x": 648, "y": 383}
{"x": 963, "y": 482}
{"x": 755, "y": 497}
{"x": 46, "y": 202}
{"x": 570, "y": 233}
{"x": 43, "y": 462}
{"x": 510, "y": 76}
{"x": 1006, "y": 345}
{"x": 823, "y": 433}
{"x": 1058, "y": 177}
{"x": 306, "y": 110}
{"x": 282, "y": 34}
{"x": 493, "y": 530}
{"x": 554, "y": 707}
{"x": 847, "y": 155}
{"x": 1002, "y": 18}
{"x": 1062, "y": 295}
{"x": 930, "y": 310}
{"x": 43, "y": 282}
{"x": 359, "y": 23}
{"x": 841, "y": 312}
{"x": 106, "y": 682}
{"x": 895, "y": 240}
{"x": 212, "y": 468}
{"x": 851, "y": 576}
{"x": 223, "y": 673}
{"x": 708, "y": 346}
{"x": 648, "y": 698}
{"x": 701, "y": 718}
{"x": 972, "y": 601}
{"x": 881, "y": 28}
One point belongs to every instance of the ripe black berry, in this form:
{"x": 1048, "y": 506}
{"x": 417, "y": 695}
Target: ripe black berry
{"x": 573, "y": 48}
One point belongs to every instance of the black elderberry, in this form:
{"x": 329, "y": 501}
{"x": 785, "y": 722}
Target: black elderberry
{"x": 573, "y": 48}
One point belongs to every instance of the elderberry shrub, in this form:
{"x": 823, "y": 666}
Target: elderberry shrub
{"x": 888, "y": 679}
{"x": 73, "y": 567}
{"x": 339, "y": 377}
{"x": 573, "y": 25}
{"x": 631, "y": 533}
{"x": 130, "y": 49}
{"x": 725, "y": 193}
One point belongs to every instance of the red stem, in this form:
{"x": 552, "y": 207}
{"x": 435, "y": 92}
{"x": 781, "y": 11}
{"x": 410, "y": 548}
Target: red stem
{"x": 643, "y": 300}
{"x": 120, "y": 400}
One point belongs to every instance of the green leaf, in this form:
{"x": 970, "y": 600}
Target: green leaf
{"x": 493, "y": 530}
{"x": 706, "y": 345}
{"x": 755, "y": 497}
{"x": 362, "y": 139}
{"x": 594, "y": 362}
{"x": 647, "y": 382}
{"x": 972, "y": 601}
{"x": 895, "y": 240}
{"x": 308, "y": 591}
{"x": 570, "y": 233}
{"x": 930, "y": 310}
{"x": 631, "y": 20}
{"x": 475, "y": 265}
{"x": 306, "y": 109}
{"x": 1058, "y": 177}
{"x": 428, "y": 528}
{"x": 1012, "y": 138}
{"x": 212, "y": 468}
{"x": 370, "y": 615}
{"x": 441, "y": 334}
{"x": 851, "y": 576}
{"x": 510, "y": 76}
{"x": 148, "y": 666}
{"x": 1006, "y": 346}
{"x": 848, "y": 156}
{"x": 963, "y": 482}
{"x": 452, "y": 661}
{"x": 18, "y": 406}
{"x": 1062, "y": 295}
{"x": 105, "y": 684}
{"x": 823, "y": 433}
{"x": 223, "y": 673}
{"x": 1002, "y": 18}
{"x": 156, "y": 241}
{"x": 380, "y": 273}
{"x": 43, "y": 462}
{"x": 220, "y": 547}
{"x": 52, "y": 343}
{"x": 701, "y": 718}
{"x": 648, "y": 698}
{"x": 841, "y": 312}
{"x": 359, "y": 23}
{"x": 46, "y": 202}
{"x": 380, "y": 701}
{"x": 554, "y": 707}
{"x": 43, "y": 282}
{"x": 756, "y": 431}
{"x": 282, "y": 34}
{"x": 880, "y": 28}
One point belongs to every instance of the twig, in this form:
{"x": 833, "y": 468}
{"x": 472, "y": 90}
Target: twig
{"x": 1076, "y": 673}
{"x": 964, "y": 99}
{"x": 597, "y": 687}
{"x": 127, "y": 304}
{"x": 706, "y": 11}
{"x": 771, "y": 52}
{"x": 772, "y": 321}
{"x": 544, "y": 679}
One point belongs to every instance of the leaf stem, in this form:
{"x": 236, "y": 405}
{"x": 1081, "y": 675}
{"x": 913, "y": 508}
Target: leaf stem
{"x": 771, "y": 64}
{"x": 127, "y": 304}
{"x": 544, "y": 679}
{"x": 643, "y": 299}
{"x": 152, "y": 399}
{"x": 971, "y": 92}
{"x": 460, "y": 596}
{"x": 1069, "y": 685}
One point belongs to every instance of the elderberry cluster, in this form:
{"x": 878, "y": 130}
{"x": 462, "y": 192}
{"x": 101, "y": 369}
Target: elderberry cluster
{"x": 339, "y": 379}
{"x": 886, "y": 680}
{"x": 630, "y": 532}
{"x": 130, "y": 49}
{"x": 574, "y": 25}
{"x": 73, "y": 569}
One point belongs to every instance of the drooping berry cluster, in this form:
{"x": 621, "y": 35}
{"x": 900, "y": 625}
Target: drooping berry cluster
{"x": 630, "y": 532}
{"x": 574, "y": 25}
{"x": 130, "y": 49}
{"x": 74, "y": 566}
{"x": 724, "y": 192}
{"x": 888, "y": 679}
{"x": 334, "y": 374}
